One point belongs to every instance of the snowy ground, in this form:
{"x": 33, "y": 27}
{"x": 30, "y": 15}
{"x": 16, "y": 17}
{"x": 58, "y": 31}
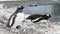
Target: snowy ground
{"x": 32, "y": 28}
{"x": 28, "y": 27}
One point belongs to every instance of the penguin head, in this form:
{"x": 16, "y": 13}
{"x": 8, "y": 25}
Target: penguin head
{"x": 47, "y": 16}
{"x": 20, "y": 7}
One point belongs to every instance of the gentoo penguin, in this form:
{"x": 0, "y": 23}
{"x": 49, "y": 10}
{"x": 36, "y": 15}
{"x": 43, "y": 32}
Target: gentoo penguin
{"x": 37, "y": 17}
{"x": 16, "y": 18}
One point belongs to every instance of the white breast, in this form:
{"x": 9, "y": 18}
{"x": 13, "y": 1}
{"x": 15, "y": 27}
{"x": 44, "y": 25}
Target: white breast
{"x": 18, "y": 20}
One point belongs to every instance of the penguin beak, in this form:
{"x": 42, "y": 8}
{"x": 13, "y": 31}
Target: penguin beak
{"x": 49, "y": 16}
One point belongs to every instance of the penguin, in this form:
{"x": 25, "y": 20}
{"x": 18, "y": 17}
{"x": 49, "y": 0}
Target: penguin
{"x": 38, "y": 17}
{"x": 15, "y": 18}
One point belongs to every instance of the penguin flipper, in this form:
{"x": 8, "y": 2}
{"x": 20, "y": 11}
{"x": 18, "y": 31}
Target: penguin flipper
{"x": 11, "y": 20}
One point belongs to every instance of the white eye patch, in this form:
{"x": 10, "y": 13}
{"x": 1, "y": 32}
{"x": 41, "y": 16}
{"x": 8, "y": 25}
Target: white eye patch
{"x": 47, "y": 14}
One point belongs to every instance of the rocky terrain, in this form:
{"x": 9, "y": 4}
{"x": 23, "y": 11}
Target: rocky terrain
{"x": 27, "y": 27}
